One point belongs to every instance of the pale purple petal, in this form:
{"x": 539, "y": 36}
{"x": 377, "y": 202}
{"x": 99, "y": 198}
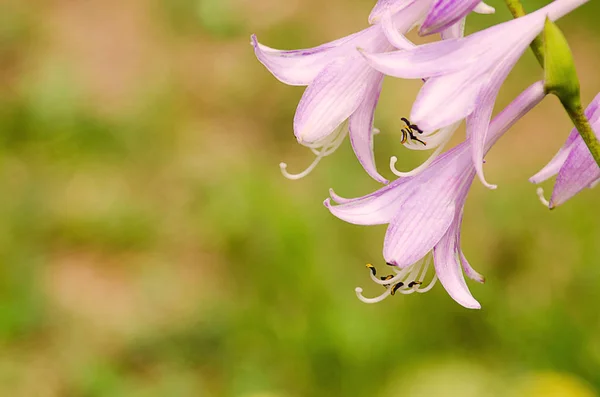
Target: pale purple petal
{"x": 468, "y": 269}
{"x": 455, "y": 31}
{"x": 331, "y": 98}
{"x": 518, "y": 108}
{"x": 393, "y": 35}
{"x": 427, "y": 60}
{"x": 388, "y": 7}
{"x": 449, "y": 271}
{"x": 417, "y": 228}
{"x": 478, "y": 122}
{"x": 552, "y": 168}
{"x": 578, "y": 172}
{"x": 295, "y": 67}
{"x": 375, "y": 209}
{"x": 557, "y": 161}
{"x": 444, "y": 13}
{"x": 301, "y": 67}
{"x": 424, "y": 217}
{"x": 446, "y": 100}
{"x": 361, "y": 129}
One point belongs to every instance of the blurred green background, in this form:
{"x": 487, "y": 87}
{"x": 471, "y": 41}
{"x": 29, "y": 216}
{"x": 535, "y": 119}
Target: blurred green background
{"x": 149, "y": 245}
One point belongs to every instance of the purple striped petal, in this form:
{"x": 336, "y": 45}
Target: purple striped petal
{"x": 449, "y": 270}
{"x": 446, "y": 100}
{"x": 553, "y": 167}
{"x": 578, "y": 172}
{"x": 455, "y": 31}
{"x": 425, "y": 217}
{"x": 375, "y": 209}
{"x": 296, "y": 67}
{"x": 361, "y": 129}
{"x": 557, "y": 161}
{"x": 468, "y": 269}
{"x": 301, "y": 67}
{"x": 393, "y": 35}
{"x": 331, "y": 98}
{"x": 445, "y": 13}
{"x": 383, "y": 7}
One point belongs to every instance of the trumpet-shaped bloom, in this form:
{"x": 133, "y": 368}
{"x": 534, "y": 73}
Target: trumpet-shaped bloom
{"x": 573, "y": 164}
{"x": 424, "y": 214}
{"x": 465, "y": 75}
{"x": 343, "y": 90}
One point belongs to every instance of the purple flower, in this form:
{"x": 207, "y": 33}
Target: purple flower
{"x": 342, "y": 89}
{"x": 424, "y": 214}
{"x": 465, "y": 75}
{"x": 573, "y": 164}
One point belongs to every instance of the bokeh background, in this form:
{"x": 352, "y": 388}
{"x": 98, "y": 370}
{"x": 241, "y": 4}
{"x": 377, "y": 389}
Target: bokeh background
{"x": 149, "y": 245}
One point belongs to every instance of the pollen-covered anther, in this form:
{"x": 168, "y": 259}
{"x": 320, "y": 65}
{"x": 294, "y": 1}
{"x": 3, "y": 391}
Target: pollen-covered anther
{"x": 406, "y": 281}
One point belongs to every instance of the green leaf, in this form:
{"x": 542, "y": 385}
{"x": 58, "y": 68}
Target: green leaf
{"x": 560, "y": 74}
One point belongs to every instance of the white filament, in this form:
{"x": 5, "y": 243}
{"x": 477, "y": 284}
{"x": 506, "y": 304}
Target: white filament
{"x": 420, "y": 168}
{"x": 414, "y": 273}
{"x": 321, "y": 149}
{"x": 540, "y": 193}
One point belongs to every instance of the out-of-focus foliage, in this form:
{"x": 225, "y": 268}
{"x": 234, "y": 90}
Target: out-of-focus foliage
{"x": 150, "y": 247}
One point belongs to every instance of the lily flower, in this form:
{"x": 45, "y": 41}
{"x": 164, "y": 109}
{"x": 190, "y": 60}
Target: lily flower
{"x": 343, "y": 90}
{"x": 424, "y": 214}
{"x": 573, "y": 164}
{"x": 465, "y": 75}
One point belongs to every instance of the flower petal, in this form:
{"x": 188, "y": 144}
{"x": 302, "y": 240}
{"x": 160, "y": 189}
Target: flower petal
{"x": 301, "y": 67}
{"x": 578, "y": 172}
{"x": 383, "y": 7}
{"x": 393, "y": 35}
{"x": 478, "y": 122}
{"x": 449, "y": 271}
{"x": 361, "y": 129}
{"x": 468, "y": 269}
{"x": 445, "y": 13}
{"x": 417, "y": 229}
{"x": 425, "y": 215}
{"x": 553, "y": 167}
{"x": 455, "y": 31}
{"x": 331, "y": 98}
{"x": 296, "y": 67}
{"x": 557, "y": 161}
{"x": 427, "y": 60}
{"x": 375, "y": 209}
{"x": 446, "y": 99}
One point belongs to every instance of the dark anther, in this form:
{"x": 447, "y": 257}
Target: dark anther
{"x": 395, "y": 287}
{"x": 413, "y": 283}
{"x": 409, "y": 132}
{"x": 389, "y": 264}
{"x": 372, "y": 269}
{"x": 388, "y": 277}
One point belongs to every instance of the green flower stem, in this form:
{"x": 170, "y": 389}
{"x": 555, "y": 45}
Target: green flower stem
{"x": 575, "y": 111}
{"x": 537, "y": 45}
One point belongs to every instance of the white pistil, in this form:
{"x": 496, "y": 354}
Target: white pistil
{"x": 540, "y": 193}
{"x": 320, "y": 149}
{"x": 415, "y": 274}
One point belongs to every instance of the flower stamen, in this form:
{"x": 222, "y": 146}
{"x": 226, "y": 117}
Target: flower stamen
{"x": 409, "y": 132}
{"x": 321, "y": 149}
{"x": 406, "y": 281}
